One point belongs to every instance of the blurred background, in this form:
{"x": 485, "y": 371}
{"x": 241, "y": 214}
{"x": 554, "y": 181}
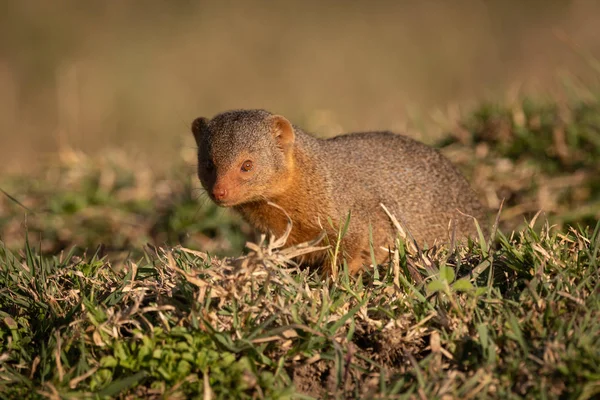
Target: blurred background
{"x": 133, "y": 74}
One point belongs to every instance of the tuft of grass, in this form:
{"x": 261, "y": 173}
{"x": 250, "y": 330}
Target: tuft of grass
{"x": 521, "y": 319}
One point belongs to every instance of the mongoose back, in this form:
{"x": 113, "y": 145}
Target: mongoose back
{"x": 247, "y": 158}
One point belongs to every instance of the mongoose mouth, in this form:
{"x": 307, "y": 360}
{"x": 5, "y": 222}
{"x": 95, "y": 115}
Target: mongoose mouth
{"x": 220, "y": 202}
{"x": 228, "y": 202}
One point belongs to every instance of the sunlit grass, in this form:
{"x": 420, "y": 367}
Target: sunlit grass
{"x": 113, "y": 284}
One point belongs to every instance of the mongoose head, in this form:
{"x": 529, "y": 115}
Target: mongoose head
{"x": 243, "y": 155}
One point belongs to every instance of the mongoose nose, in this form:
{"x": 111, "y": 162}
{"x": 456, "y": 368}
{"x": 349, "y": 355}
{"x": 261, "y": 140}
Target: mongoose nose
{"x": 219, "y": 192}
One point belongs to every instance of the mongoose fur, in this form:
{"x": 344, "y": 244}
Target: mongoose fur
{"x": 247, "y": 158}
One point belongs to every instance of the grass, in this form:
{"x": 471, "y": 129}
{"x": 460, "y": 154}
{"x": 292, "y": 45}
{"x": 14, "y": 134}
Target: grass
{"x": 116, "y": 282}
{"x": 522, "y": 320}
{"x": 533, "y": 155}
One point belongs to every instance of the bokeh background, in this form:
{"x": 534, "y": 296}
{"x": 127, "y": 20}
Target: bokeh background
{"x": 132, "y": 74}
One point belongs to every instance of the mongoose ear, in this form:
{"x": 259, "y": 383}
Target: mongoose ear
{"x": 199, "y": 126}
{"x": 282, "y": 130}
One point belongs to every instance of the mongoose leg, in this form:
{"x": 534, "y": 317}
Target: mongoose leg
{"x": 356, "y": 265}
{"x": 358, "y": 256}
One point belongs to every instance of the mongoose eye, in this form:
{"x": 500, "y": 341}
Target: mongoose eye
{"x": 209, "y": 165}
{"x": 247, "y": 165}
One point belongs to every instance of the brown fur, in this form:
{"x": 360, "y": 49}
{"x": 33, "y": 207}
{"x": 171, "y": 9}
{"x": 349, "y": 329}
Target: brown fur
{"x": 314, "y": 180}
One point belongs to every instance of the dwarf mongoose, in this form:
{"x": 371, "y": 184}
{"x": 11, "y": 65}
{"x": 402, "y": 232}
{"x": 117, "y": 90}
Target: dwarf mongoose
{"x": 247, "y": 158}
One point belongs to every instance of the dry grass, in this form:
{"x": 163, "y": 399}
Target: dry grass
{"x": 178, "y": 323}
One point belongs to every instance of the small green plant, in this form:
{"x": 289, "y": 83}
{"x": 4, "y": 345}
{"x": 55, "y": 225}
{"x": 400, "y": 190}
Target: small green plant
{"x": 335, "y": 249}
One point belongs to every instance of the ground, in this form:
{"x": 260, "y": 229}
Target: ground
{"x": 116, "y": 281}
